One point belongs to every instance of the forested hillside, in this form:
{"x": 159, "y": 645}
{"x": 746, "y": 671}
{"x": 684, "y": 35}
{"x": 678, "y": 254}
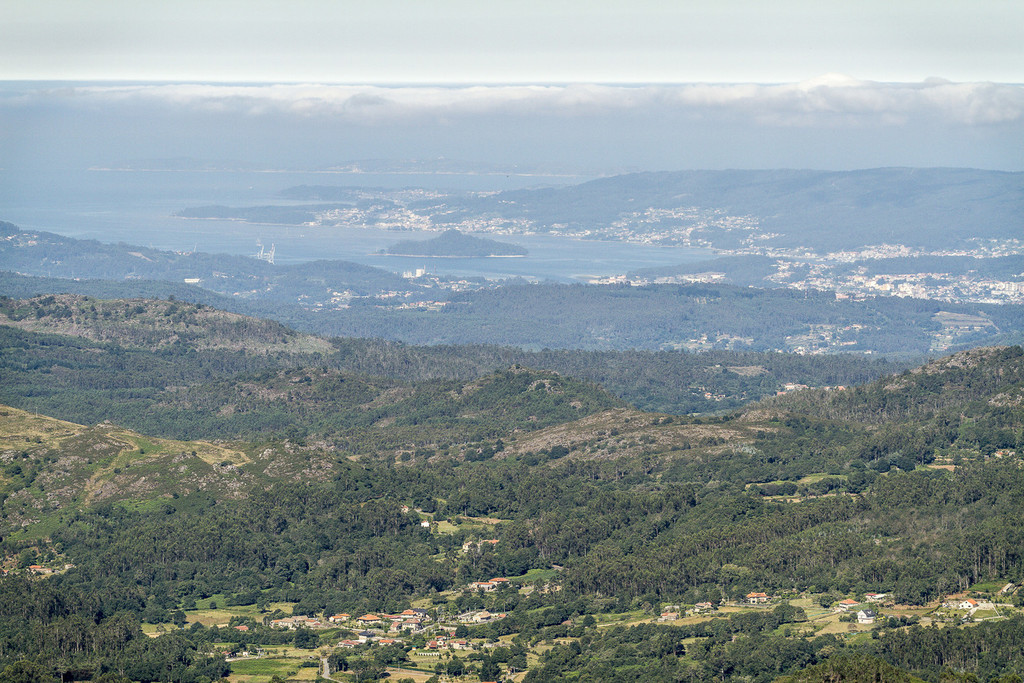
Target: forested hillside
{"x": 378, "y": 494}
{"x": 102, "y": 338}
{"x": 671, "y": 316}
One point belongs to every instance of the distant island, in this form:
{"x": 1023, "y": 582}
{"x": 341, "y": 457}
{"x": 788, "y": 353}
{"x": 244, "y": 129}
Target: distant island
{"x": 455, "y": 244}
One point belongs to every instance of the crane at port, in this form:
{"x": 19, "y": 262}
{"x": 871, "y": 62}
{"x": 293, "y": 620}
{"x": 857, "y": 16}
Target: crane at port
{"x": 263, "y": 255}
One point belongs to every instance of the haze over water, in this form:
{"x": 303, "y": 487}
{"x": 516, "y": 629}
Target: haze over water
{"x": 137, "y": 207}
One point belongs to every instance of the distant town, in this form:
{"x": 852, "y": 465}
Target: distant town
{"x": 846, "y": 272}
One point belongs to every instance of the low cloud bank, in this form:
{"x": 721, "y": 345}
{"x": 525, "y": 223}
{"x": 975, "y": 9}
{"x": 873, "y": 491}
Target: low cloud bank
{"x": 828, "y": 100}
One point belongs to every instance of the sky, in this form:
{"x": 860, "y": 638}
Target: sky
{"x": 526, "y": 41}
{"x": 596, "y": 85}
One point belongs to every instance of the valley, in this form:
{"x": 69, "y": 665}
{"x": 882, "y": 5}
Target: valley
{"x": 250, "y": 502}
{"x": 737, "y": 450}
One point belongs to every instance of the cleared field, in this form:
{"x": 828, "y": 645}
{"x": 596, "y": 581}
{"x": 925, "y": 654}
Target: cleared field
{"x": 534, "y": 575}
{"x": 262, "y": 670}
{"x": 396, "y": 674}
{"x": 222, "y": 614}
{"x": 989, "y": 586}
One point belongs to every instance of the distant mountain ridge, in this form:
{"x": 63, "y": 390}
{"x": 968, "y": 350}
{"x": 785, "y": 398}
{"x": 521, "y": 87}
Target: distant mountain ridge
{"x": 823, "y": 210}
{"x": 931, "y": 209}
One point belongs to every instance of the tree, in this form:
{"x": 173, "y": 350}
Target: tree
{"x": 366, "y": 669}
{"x": 455, "y": 667}
{"x": 489, "y": 670}
{"x": 24, "y": 671}
{"x": 337, "y": 662}
{"x": 306, "y": 639}
{"x": 111, "y": 677}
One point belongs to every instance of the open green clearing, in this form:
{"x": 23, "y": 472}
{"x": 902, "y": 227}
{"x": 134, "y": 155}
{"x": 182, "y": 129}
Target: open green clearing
{"x": 264, "y": 668}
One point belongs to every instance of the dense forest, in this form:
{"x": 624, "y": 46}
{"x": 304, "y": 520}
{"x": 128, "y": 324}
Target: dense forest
{"x": 140, "y": 344}
{"x": 313, "y": 477}
{"x": 665, "y": 316}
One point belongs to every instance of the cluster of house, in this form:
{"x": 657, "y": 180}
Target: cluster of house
{"x": 444, "y": 642}
{"x": 39, "y": 570}
{"x": 412, "y": 619}
{"x": 969, "y": 604}
{"x": 364, "y": 637}
{"x": 298, "y": 621}
{"x": 479, "y": 617}
{"x": 491, "y": 585}
{"x": 864, "y": 616}
{"x": 673, "y": 612}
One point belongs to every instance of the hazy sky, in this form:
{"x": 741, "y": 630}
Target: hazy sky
{"x": 642, "y": 84}
{"x": 521, "y": 41}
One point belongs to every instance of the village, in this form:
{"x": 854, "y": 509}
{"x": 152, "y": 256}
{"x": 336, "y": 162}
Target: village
{"x": 440, "y": 642}
{"x": 449, "y": 636}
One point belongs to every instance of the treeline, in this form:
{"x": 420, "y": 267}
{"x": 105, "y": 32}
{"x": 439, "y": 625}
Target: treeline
{"x": 51, "y": 631}
{"x": 650, "y": 317}
{"x": 970, "y": 378}
{"x": 666, "y": 381}
{"x": 347, "y": 546}
{"x": 221, "y": 392}
{"x": 953, "y": 407}
{"x": 157, "y": 344}
{"x": 761, "y": 648}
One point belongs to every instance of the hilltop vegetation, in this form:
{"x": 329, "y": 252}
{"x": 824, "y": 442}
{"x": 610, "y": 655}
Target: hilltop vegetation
{"x": 149, "y": 340}
{"x": 293, "y": 481}
{"x": 155, "y": 325}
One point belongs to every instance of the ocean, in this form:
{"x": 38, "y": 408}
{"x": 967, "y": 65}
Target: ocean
{"x": 137, "y": 207}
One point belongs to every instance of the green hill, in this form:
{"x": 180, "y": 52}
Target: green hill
{"x": 225, "y": 344}
{"x": 154, "y": 325}
{"x": 615, "y": 513}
